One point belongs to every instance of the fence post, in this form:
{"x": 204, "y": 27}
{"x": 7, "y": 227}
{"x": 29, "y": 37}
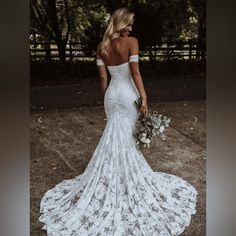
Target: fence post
{"x": 47, "y": 48}
{"x": 190, "y": 50}
{"x": 70, "y": 48}
{"x": 168, "y": 51}
{"x": 155, "y": 47}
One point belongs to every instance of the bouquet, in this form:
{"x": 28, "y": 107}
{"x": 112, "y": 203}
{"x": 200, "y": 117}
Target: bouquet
{"x": 150, "y": 126}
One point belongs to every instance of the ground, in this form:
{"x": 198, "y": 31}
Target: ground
{"x": 158, "y": 88}
{"x": 62, "y": 143}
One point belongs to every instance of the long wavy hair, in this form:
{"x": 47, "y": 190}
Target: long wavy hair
{"x": 119, "y": 20}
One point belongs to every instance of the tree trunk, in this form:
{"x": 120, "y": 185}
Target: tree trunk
{"x": 61, "y": 49}
{"x": 47, "y": 50}
{"x": 151, "y": 58}
{"x": 201, "y": 38}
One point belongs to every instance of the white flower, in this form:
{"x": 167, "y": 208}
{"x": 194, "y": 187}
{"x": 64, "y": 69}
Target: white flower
{"x": 148, "y": 127}
{"x": 144, "y": 135}
{"x": 145, "y": 140}
{"x": 162, "y": 128}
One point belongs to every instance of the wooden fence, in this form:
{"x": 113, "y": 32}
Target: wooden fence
{"x": 77, "y": 51}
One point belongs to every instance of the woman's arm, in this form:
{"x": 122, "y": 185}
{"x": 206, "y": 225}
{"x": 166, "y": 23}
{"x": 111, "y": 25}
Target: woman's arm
{"x": 134, "y": 68}
{"x": 102, "y": 71}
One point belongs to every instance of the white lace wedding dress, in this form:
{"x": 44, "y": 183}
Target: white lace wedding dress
{"x": 119, "y": 194}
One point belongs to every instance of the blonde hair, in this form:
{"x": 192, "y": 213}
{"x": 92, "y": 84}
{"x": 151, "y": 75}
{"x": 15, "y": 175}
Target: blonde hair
{"x": 120, "y": 19}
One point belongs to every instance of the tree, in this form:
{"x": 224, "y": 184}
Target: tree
{"x": 147, "y": 28}
{"x": 52, "y": 19}
{"x": 157, "y": 21}
{"x": 89, "y": 23}
{"x": 200, "y": 7}
{"x": 93, "y": 33}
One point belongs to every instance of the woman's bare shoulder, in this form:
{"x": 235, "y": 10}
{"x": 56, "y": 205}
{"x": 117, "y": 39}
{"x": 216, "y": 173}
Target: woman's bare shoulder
{"x": 133, "y": 45}
{"x": 132, "y": 40}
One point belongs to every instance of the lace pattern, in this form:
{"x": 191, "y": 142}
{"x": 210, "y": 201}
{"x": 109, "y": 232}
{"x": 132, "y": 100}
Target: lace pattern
{"x": 118, "y": 194}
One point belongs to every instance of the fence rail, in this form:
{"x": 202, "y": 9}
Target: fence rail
{"x": 77, "y": 51}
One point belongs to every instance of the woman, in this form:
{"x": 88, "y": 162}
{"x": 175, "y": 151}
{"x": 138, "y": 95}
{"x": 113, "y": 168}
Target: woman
{"x": 119, "y": 194}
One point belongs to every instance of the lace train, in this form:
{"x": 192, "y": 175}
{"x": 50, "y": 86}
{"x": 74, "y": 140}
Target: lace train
{"x": 118, "y": 194}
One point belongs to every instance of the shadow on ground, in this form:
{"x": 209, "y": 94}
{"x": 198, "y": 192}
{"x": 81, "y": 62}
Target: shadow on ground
{"x": 62, "y": 143}
{"x": 159, "y": 89}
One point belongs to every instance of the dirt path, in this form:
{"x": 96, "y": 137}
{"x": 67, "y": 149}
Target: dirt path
{"x": 62, "y": 143}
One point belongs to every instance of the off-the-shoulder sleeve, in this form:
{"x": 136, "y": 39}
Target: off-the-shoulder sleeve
{"x": 134, "y": 58}
{"x": 99, "y": 62}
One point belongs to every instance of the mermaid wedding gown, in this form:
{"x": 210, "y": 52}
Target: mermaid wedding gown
{"x": 119, "y": 194}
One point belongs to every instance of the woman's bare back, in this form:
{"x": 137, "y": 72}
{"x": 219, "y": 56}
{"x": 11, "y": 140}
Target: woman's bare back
{"x": 118, "y": 52}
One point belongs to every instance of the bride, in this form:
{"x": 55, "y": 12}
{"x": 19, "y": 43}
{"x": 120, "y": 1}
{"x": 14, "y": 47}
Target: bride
{"x": 119, "y": 194}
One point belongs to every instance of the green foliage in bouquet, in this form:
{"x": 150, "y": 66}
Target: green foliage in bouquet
{"x": 149, "y": 127}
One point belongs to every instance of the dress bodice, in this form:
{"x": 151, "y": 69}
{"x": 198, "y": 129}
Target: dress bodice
{"x": 121, "y": 70}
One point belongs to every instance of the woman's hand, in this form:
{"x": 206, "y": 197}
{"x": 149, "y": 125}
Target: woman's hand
{"x": 144, "y": 106}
